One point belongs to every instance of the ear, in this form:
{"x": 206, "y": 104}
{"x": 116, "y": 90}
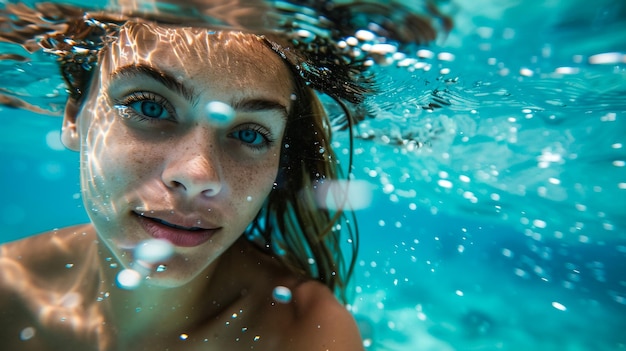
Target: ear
{"x": 69, "y": 131}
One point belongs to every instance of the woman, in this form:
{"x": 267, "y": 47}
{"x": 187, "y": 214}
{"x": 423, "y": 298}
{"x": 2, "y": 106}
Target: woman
{"x": 209, "y": 148}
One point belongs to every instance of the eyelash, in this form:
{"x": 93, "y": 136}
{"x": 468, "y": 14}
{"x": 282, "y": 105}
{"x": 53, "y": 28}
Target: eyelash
{"x": 123, "y": 106}
{"x": 268, "y": 139}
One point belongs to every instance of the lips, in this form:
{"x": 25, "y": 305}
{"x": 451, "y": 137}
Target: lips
{"x": 177, "y": 234}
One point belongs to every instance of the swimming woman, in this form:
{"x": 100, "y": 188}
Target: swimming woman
{"x": 203, "y": 153}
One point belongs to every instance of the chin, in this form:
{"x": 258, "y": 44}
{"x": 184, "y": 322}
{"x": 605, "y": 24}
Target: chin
{"x": 180, "y": 271}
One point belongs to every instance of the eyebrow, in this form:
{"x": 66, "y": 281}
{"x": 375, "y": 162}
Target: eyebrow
{"x": 169, "y": 81}
{"x": 242, "y": 105}
{"x": 259, "y": 105}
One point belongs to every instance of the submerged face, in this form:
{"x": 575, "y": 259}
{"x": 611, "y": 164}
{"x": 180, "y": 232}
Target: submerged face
{"x": 154, "y": 164}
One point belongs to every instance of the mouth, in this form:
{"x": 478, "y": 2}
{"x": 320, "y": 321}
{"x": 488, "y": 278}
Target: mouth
{"x": 176, "y": 226}
{"x": 176, "y": 234}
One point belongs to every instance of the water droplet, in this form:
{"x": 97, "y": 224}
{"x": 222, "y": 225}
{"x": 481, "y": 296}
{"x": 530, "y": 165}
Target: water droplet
{"x": 281, "y": 294}
{"x": 69, "y": 265}
{"x": 183, "y": 336}
{"x": 161, "y": 268}
{"x": 559, "y": 306}
{"x": 128, "y": 279}
{"x": 153, "y": 250}
{"x": 27, "y": 333}
{"x": 256, "y": 338}
{"x": 249, "y": 198}
{"x": 219, "y": 113}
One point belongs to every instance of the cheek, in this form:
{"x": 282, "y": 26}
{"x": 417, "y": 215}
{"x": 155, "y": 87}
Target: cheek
{"x": 253, "y": 184}
{"x": 111, "y": 162}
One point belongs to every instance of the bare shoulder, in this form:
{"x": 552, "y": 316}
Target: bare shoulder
{"x": 43, "y": 258}
{"x": 36, "y": 273}
{"x": 313, "y": 320}
{"x": 322, "y": 322}
{"x": 40, "y": 258}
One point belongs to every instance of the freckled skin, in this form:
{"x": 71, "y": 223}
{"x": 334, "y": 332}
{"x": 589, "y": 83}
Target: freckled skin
{"x": 218, "y": 293}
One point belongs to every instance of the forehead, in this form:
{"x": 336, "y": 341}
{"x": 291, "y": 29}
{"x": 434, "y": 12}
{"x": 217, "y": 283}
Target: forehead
{"x": 197, "y": 53}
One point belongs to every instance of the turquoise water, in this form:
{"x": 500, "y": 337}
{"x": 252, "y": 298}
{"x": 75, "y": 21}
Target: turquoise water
{"x": 504, "y": 230}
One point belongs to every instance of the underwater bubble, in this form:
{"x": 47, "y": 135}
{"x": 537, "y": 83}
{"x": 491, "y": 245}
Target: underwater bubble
{"x": 352, "y": 41}
{"x": 128, "y": 279}
{"x": 53, "y": 140}
{"x": 219, "y": 113}
{"x": 526, "y": 72}
{"x": 383, "y": 49}
{"x": 609, "y": 117}
{"x": 281, "y": 294}
{"x": 567, "y": 70}
{"x": 154, "y": 250}
{"x": 425, "y": 54}
{"x": 336, "y": 195}
{"x": 559, "y": 306}
{"x": 606, "y": 58}
{"x": 444, "y": 183}
{"x": 388, "y": 188}
{"x": 365, "y": 35}
{"x": 27, "y": 333}
{"x": 306, "y": 36}
{"x": 446, "y": 56}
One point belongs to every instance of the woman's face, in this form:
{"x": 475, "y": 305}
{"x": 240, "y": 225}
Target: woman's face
{"x": 156, "y": 164}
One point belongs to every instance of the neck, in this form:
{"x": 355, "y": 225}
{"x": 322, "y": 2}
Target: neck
{"x": 152, "y": 310}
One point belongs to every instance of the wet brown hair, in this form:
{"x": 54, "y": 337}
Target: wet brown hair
{"x": 301, "y": 230}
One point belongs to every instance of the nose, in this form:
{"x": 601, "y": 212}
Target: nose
{"x": 194, "y": 173}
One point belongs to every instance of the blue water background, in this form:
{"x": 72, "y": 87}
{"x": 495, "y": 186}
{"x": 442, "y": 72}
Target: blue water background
{"x": 437, "y": 271}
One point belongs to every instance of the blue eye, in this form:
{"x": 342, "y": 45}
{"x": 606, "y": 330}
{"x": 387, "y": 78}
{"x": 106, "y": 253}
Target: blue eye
{"x": 150, "y": 109}
{"x": 250, "y": 136}
{"x": 143, "y": 106}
